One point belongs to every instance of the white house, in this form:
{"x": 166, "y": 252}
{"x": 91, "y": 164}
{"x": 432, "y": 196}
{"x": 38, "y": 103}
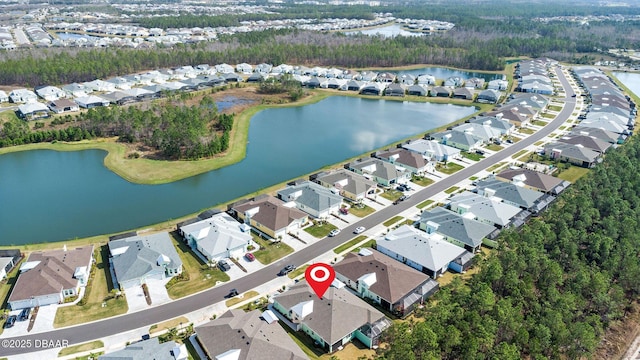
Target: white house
{"x": 217, "y": 237}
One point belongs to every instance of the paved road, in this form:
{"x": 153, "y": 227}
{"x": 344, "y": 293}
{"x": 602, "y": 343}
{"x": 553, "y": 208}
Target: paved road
{"x": 124, "y": 323}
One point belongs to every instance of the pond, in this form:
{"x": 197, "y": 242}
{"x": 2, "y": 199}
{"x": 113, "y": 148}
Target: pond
{"x": 630, "y": 80}
{"x": 50, "y": 196}
{"x": 387, "y": 31}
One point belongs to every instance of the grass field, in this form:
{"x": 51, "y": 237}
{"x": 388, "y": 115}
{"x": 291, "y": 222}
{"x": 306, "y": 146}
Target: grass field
{"x": 537, "y": 143}
{"x": 240, "y": 298}
{"x": 369, "y": 244}
{"x": 349, "y": 244}
{"x": 573, "y": 173}
{"x": 173, "y": 323}
{"x": 539, "y": 123}
{"x": 471, "y": 156}
{"x": 98, "y": 293}
{"x": 519, "y": 153}
{"x": 320, "y": 230}
{"x": 361, "y": 210}
{"x": 526, "y": 157}
{"x": 495, "y": 166}
{"x": 424, "y": 204}
{"x": 555, "y": 108}
{"x": 297, "y": 272}
{"x": 199, "y": 276}
{"x": 392, "y": 221}
{"x": 494, "y": 147}
{"x": 451, "y": 189}
{"x": 270, "y": 251}
{"x": 526, "y": 131}
{"x": 392, "y": 194}
{"x": 74, "y": 349}
{"x": 449, "y": 168}
{"x": 421, "y": 180}
{"x": 548, "y": 116}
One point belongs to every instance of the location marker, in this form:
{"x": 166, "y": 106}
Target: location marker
{"x": 320, "y": 276}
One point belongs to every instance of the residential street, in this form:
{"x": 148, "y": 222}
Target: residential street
{"x": 130, "y": 321}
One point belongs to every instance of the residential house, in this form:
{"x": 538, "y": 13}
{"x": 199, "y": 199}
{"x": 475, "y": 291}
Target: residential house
{"x": 313, "y": 83}
{"x": 535, "y": 87}
{"x": 32, "y": 110}
{"x": 217, "y": 237}
{"x": 8, "y": 259}
{"x": 394, "y": 90}
{"x": 409, "y": 160}
{"x": 386, "y": 77}
{"x": 149, "y": 349}
{"x": 533, "y": 180}
{"x": 394, "y": 286}
{"x": 607, "y": 124}
{"x": 426, "y": 79}
{"x": 384, "y": 173}
{"x": 141, "y": 93}
{"x": 63, "y": 105}
{"x": 504, "y": 127}
{"x": 462, "y": 93}
{"x": 22, "y": 96}
{"x": 463, "y": 140}
{"x": 440, "y": 91}
{"x": 244, "y": 68}
{"x": 354, "y": 85}
{"x": 500, "y": 85}
{"x": 428, "y": 253}
{"x": 574, "y": 154}
{"x": 406, "y": 79}
{"x": 489, "y": 96}
{"x": 485, "y": 209}
{"x": 270, "y": 216}
{"x": 263, "y": 68}
{"x": 118, "y": 97}
{"x": 485, "y": 132}
{"x": 50, "y": 277}
{"x": 239, "y": 335}
{"x": 314, "y": 199}
{"x": 257, "y": 77}
{"x": 75, "y": 90}
{"x": 3, "y": 97}
{"x": 601, "y": 134}
{"x": 513, "y": 115}
{"x": 431, "y": 149}
{"x": 417, "y": 90}
{"x": 99, "y": 85}
{"x": 374, "y": 88}
{"x": 331, "y": 321}
{"x": 188, "y": 72}
{"x": 588, "y": 142}
{"x": 91, "y": 101}
{"x": 457, "y": 229}
{"x": 474, "y": 83}
{"x": 224, "y": 69}
{"x": 512, "y": 194}
{"x": 350, "y": 185}
{"x": 50, "y": 93}
{"x": 231, "y": 77}
{"x": 136, "y": 258}
{"x": 454, "y": 82}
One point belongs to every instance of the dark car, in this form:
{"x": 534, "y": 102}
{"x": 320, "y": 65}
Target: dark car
{"x": 287, "y": 269}
{"x": 232, "y": 293}
{"x": 401, "y": 188}
{"x": 223, "y": 265}
{"x": 24, "y": 314}
{"x": 10, "y": 321}
{"x": 574, "y": 95}
{"x": 480, "y": 152}
{"x": 344, "y": 211}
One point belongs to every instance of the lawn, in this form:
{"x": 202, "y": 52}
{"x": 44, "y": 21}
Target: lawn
{"x": 297, "y": 272}
{"x": 320, "y": 230}
{"x": 349, "y": 244}
{"x": 526, "y": 157}
{"x": 495, "y": 166}
{"x": 548, "y": 116}
{"x": 494, "y": 147}
{"x": 270, "y": 251}
{"x": 526, "y": 131}
{"x": 515, "y": 139}
{"x": 392, "y": 221}
{"x": 519, "y": 153}
{"x": 451, "y": 189}
{"x": 573, "y": 173}
{"x": 555, "y": 108}
{"x": 240, "y": 298}
{"x": 196, "y": 275}
{"x": 81, "y": 348}
{"x": 424, "y": 204}
{"x": 392, "y": 194}
{"x": 539, "y": 123}
{"x": 537, "y": 143}
{"x": 562, "y": 127}
{"x": 449, "y": 168}
{"x": 173, "y": 323}
{"x": 101, "y": 303}
{"x": 471, "y": 156}
{"x": 473, "y": 178}
{"x": 361, "y": 210}
{"x": 421, "y": 180}
{"x": 369, "y": 244}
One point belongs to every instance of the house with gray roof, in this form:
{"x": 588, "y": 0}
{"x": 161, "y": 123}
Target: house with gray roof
{"x": 350, "y": 185}
{"x": 426, "y": 79}
{"x": 589, "y": 142}
{"x": 137, "y": 258}
{"x": 217, "y": 237}
{"x": 457, "y": 229}
{"x": 601, "y": 134}
{"x": 409, "y": 160}
{"x": 512, "y": 194}
{"x": 417, "y": 90}
{"x": 63, "y": 105}
{"x": 91, "y": 101}
{"x": 574, "y": 154}
{"x": 428, "y": 253}
{"x": 333, "y": 320}
{"x": 533, "y": 180}
{"x": 406, "y": 79}
{"x": 394, "y": 286}
{"x": 384, "y": 173}
{"x": 474, "y": 83}
{"x": 489, "y": 96}
{"x": 3, "y": 97}
{"x": 463, "y": 140}
{"x": 314, "y": 199}
{"x": 50, "y": 93}
{"x": 486, "y": 132}
{"x": 431, "y": 149}
{"x": 75, "y": 90}
{"x": 462, "y": 93}
{"x": 485, "y": 209}
{"x": 496, "y": 122}
{"x": 239, "y": 335}
{"x": 22, "y": 96}
{"x": 373, "y": 88}
{"x": 454, "y": 81}
{"x": 118, "y": 97}
{"x": 32, "y": 110}
{"x": 394, "y": 90}
{"x": 49, "y": 277}
{"x": 607, "y": 124}
{"x": 149, "y": 349}
{"x": 498, "y": 84}
{"x": 440, "y": 91}
{"x": 269, "y": 216}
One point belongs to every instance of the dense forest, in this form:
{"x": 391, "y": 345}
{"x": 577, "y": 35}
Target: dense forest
{"x": 176, "y": 132}
{"x": 550, "y": 290}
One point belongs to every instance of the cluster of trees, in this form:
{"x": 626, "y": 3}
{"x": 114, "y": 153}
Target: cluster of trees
{"x": 285, "y": 84}
{"x": 178, "y": 132}
{"x": 552, "y": 289}
{"x": 16, "y": 132}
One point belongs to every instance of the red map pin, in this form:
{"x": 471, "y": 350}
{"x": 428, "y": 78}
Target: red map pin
{"x": 320, "y": 276}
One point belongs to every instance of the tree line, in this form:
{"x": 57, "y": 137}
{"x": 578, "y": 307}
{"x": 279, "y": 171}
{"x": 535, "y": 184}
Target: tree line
{"x": 550, "y": 290}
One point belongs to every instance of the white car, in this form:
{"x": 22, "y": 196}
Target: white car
{"x": 359, "y": 229}
{"x": 334, "y": 232}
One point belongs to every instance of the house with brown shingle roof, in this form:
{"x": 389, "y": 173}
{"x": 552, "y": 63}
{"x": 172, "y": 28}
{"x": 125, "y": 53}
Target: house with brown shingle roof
{"x": 333, "y": 320}
{"x": 534, "y": 180}
{"x": 270, "y": 216}
{"x": 50, "y": 277}
{"x": 411, "y": 161}
{"x": 246, "y": 336}
{"x": 393, "y": 285}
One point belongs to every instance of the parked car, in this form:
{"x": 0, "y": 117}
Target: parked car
{"x": 509, "y": 141}
{"x": 287, "y": 269}
{"x": 10, "y": 321}
{"x": 574, "y": 95}
{"x": 24, "y": 314}
{"x": 232, "y": 293}
{"x": 403, "y": 197}
{"x": 249, "y": 256}
{"x": 401, "y": 188}
{"x": 223, "y": 265}
{"x": 359, "y": 230}
{"x": 480, "y": 152}
{"x": 334, "y": 232}
{"x": 344, "y": 211}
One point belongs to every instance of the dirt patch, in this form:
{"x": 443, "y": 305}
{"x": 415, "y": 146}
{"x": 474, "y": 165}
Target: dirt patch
{"x": 620, "y": 335}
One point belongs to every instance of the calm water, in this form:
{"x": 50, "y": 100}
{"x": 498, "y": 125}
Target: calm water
{"x": 48, "y": 195}
{"x": 630, "y": 80}
{"x": 387, "y": 31}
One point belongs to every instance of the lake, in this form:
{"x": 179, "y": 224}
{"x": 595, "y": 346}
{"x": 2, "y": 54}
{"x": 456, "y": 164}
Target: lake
{"x": 49, "y": 196}
{"x": 387, "y": 31}
{"x": 630, "y": 80}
